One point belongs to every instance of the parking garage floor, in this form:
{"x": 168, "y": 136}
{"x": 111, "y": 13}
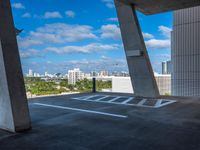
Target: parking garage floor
{"x": 107, "y": 121}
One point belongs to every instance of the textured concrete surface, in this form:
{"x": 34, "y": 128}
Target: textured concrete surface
{"x": 173, "y": 127}
{"x": 14, "y": 114}
{"x": 186, "y": 52}
{"x": 139, "y": 65}
{"x": 149, "y": 7}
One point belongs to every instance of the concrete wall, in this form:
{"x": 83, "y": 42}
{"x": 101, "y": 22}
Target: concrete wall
{"x": 186, "y": 52}
{"x": 123, "y": 84}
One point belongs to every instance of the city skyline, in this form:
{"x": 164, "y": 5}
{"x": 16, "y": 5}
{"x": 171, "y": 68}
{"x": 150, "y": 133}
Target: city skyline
{"x": 59, "y": 37}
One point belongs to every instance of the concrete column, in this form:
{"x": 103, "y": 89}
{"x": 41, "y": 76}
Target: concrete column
{"x": 14, "y": 113}
{"x": 142, "y": 77}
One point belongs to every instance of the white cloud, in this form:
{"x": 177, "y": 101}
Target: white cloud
{"x": 31, "y": 53}
{"x": 111, "y": 31}
{"x": 91, "y": 48}
{"x": 57, "y": 33}
{"x": 147, "y": 35}
{"x": 109, "y": 3}
{"x": 26, "y": 15}
{"x": 158, "y": 44}
{"x": 54, "y": 14}
{"x": 18, "y": 6}
{"x": 165, "y": 31}
{"x": 70, "y": 14}
{"x": 84, "y": 64}
{"x": 113, "y": 19}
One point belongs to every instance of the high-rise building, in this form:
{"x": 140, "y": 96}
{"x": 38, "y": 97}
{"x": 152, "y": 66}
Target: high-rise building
{"x": 186, "y": 52}
{"x": 103, "y": 73}
{"x": 166, "y": 67}
{"x": 46, "y": 74}
{"x": 30, "y": 73}
{"x": 75, "y": 75}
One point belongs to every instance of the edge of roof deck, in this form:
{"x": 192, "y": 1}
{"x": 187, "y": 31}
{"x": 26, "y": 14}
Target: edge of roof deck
{"x": 149, "y": 7}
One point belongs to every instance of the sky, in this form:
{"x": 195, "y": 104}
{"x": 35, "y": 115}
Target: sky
{"x": 65, "y": 34}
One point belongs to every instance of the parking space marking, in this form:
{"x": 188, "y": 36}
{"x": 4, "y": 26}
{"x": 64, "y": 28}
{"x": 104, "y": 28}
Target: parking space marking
{"x": 166, "y": 103}
{"x": 114, "y": 99}
{"x": 142, "y": 102}
{"x": 96, "y": 100}
{"x": 126, "y": 100}
{"x": 158, "y": 103}
{"x": 90, "y": 97}
{"x": 81, "y": 110}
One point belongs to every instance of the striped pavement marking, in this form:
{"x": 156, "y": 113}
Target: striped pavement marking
{"x": 127, "y": 100}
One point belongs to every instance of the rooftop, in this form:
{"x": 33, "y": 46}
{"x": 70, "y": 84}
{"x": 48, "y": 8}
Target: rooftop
{"x": 149, "y": 7}
{"x": 98, "y": 122}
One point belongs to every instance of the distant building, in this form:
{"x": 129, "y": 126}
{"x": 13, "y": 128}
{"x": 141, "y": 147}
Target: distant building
{"x": 30, "y": 73}
{"x": 103, "y": 73}
{"x": 120, "y": 74}
{"x": 36, "y": 75}
{"x": 166, "y": 67}
{"x": 46, "y": 74}
{"x": 123, "y": 84}
{"x": 75, "y": 75}
{"x": 94, "y": 74}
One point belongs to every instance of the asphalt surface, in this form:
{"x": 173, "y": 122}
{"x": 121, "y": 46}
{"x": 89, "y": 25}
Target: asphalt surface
{"x": 64, "y": 123}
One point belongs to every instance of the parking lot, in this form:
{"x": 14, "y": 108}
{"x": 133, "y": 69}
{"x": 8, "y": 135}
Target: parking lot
{"x": 106, "y": 121}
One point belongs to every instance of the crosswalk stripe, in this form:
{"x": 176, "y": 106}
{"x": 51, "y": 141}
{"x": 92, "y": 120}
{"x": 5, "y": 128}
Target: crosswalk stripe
{"x": 142, "y": 102}
{"x": 114, "y": 99}
{"x": 128, "y": 100}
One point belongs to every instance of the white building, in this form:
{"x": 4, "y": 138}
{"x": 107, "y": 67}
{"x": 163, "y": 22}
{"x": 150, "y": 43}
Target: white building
{"x": 36, "y": 74}
{"x": 103, "y": 73}
{"x": 123, "y": 84}
{"x": 166, "y": 67}
{"x": 30, "y": 73}
{"x": 46, "y": 74}
{"x": 74, "y": 76}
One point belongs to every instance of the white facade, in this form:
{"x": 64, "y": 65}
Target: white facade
{"x": 123, "y": 84}
{"x": 103, "y": 73}
{"x": 186, "y": 52}
{"x": 166, "y": 67}
{"x": 30, "y": 73}
{"x": 74, "y": 76}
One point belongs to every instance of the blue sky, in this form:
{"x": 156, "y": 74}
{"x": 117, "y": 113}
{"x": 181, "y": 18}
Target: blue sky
{"x": 62, "y": 35}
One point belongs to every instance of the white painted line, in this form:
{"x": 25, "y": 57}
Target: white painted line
{"x": 82, "y": 110}
{"x": 167, "y": 103}
{"x": 114, "y": 99}
{"x": 96, "y": 100}
{"x": 91, "y": 97}
{"x": 128, "y": 100}
{"x": 158, "y": 103}
{"x": 84, "y": 97}
{"x": 142, "y": 102}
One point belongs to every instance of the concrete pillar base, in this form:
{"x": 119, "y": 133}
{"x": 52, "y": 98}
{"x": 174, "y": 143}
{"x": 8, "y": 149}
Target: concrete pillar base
{"x": 14, "y": 113}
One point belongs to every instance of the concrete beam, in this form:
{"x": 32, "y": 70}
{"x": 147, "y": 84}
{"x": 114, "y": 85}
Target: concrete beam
{"x": 14, "y": 113}
{"x": 150, "y": 7}
{"x": 142, "y": 77}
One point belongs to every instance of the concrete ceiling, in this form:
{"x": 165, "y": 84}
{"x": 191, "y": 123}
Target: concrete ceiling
{"x": 149, "y": 7}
